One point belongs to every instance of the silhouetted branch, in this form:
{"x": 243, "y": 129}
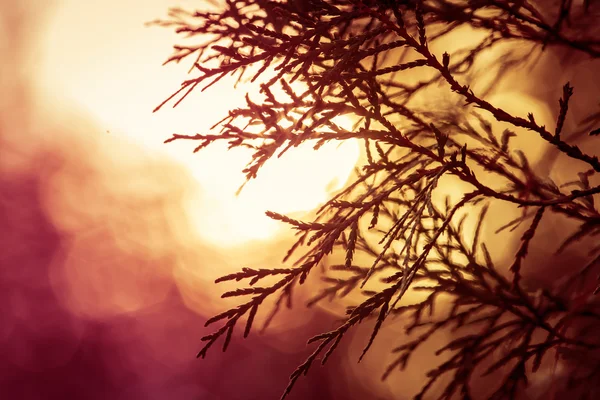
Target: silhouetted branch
{"x": 345, "y": 55}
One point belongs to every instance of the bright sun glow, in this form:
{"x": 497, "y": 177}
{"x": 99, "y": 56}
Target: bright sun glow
{"x": 119, "y": 79}
{"x": 299, "y": 181}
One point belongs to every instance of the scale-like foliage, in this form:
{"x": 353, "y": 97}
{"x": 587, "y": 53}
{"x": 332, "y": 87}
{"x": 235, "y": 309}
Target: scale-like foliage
{"x": 359, "y": 58}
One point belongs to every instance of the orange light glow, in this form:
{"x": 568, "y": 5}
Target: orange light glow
{"x": 123, "y": 85}
{"x": 297, "y": 182}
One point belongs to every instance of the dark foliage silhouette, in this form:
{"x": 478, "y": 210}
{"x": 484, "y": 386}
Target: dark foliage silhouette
{"x": 425, "y": 119}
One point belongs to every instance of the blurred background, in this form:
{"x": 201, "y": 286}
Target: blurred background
{"x": 110, "y": 240}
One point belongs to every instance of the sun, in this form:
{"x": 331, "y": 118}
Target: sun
{"x": 298, "y": 182}
{"x": 116, "y": 76}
